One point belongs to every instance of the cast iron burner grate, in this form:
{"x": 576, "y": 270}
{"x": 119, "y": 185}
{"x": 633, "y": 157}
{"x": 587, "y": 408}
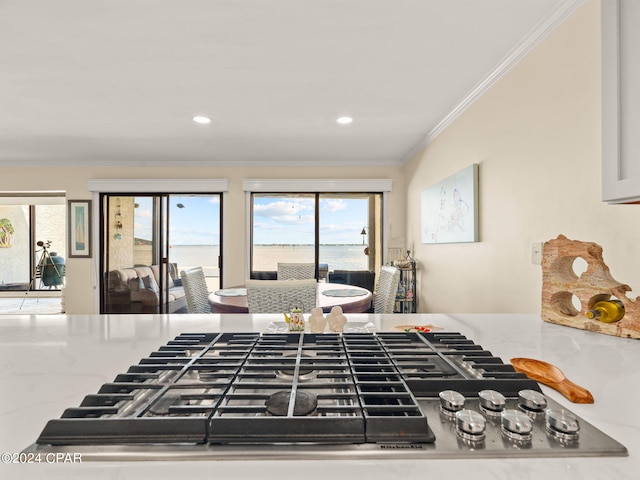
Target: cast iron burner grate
{"x": 337, "y": 388}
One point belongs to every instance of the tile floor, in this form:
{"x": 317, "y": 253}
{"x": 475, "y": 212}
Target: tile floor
{"x": 30, "y": 305}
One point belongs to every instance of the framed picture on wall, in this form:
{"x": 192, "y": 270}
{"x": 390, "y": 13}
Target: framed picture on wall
{"x": 449, "y": 208}
{"x": 79, "y": 228}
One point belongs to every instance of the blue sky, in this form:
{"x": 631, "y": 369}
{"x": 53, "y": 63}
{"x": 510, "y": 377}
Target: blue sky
{"x": 290, "y": 220}
{"x": 277, "y": 220}
{"x": 197, "y": 223}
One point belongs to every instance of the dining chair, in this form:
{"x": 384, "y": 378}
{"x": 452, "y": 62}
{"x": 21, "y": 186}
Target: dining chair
{"x": 359, "y": 278}
{"x": 384, "y": 298}
{"x": 195, "y": 290}
{"x": 279, "y": 296}
{"x": 296, "y": 271}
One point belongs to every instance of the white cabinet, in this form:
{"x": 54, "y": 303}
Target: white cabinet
{"x": 620, "y": 101}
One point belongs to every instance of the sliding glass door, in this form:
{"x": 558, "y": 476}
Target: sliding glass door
{"x": 349, "y": 231}
{"x": 147, "y": 240}
{"x": 336, "y": 231}
{"x": 32, "y": 243}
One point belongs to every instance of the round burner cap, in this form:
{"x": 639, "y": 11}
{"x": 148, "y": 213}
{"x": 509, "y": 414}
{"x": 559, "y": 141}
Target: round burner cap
{"x": 278, "y": 403}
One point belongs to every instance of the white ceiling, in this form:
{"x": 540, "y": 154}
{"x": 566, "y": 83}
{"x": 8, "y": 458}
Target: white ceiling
{"x": 102, "y": 82}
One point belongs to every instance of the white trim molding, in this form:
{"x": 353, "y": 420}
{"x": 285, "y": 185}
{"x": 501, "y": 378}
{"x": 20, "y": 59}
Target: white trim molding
{"x": 317, "y": 185}
{"x": 563, "y": 11}
{"x": 33, "y": 198}
{"x": 158, "y": 185}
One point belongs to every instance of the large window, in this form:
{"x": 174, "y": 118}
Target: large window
{"x": 336, "y": 231}
{"x": 32, "y": 236}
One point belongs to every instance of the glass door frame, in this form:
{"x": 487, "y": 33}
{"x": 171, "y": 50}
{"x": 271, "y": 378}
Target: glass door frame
{"x": 373, "y": 224}
{"x": 97, "y": 187}
{"x": 383, "y": 186}
{"x": 160, "y": 239}
{"x": 33, "y": 201}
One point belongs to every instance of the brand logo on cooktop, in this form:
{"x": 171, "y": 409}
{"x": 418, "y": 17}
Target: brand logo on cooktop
{"x": 401, "y": 446}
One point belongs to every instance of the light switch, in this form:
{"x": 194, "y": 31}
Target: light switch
{"x": 536, "y": 253}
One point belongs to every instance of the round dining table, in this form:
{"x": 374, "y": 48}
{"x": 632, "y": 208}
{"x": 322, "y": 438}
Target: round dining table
{"x": 350, "y": 298}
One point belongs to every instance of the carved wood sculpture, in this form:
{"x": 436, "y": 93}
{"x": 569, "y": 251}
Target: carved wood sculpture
{"x": 560, "y": 284}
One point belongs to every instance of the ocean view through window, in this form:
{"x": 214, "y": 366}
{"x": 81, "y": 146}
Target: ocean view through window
{"x": 343, "y": 257}
{"x": 337, "y": 231}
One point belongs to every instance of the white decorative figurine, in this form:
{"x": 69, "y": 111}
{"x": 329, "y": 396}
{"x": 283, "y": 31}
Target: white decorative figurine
{"x": 336, "y": 319}
{"x": 317, "y": 320}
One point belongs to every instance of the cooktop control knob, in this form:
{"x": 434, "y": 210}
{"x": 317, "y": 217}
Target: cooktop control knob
{"x": 561, "y": 424}
{"x": 532, "y": 401}
{"x": 516, "y": 425}
{"x": 491, "y": 402}
{"x": 470, "y": 425}
{"x": 451, "y": 401}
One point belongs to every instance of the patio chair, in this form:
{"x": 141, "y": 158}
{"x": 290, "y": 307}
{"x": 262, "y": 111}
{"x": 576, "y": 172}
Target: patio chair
{"x": 279, "y": 296}
{"x": 196, "y": 290}
{"x": 296, "y": 271}
{"x": 385, "y": 296}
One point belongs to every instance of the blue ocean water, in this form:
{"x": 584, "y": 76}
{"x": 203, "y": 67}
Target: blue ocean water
{"x": 266, "y": 257}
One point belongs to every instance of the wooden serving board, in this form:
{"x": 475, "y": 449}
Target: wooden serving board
{"x": 560, "y": 284}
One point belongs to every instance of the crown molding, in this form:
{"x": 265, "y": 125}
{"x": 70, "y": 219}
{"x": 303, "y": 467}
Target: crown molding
{"x": 132, "y": 162}
{"x": 539, "y": 33}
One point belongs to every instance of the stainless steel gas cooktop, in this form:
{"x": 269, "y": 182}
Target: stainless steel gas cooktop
{"x": 301, "y": 395}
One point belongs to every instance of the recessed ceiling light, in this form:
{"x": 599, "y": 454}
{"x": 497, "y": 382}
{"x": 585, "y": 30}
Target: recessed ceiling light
{"x": 344, "y": 120}
{"x": 201, "y": 119}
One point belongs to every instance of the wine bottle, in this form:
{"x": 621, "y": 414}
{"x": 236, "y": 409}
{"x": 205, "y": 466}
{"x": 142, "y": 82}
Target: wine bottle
{"x": 607, "y": 311}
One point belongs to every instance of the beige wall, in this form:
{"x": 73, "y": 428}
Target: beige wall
{"x": 82, "y": 276}
{"x": 536, "y": 137}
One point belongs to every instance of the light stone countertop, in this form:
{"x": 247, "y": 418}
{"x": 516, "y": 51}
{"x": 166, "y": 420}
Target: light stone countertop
{"x": 50, "y": 362}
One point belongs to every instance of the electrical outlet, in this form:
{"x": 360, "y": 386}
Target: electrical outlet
{"x": 536, "y": 253}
